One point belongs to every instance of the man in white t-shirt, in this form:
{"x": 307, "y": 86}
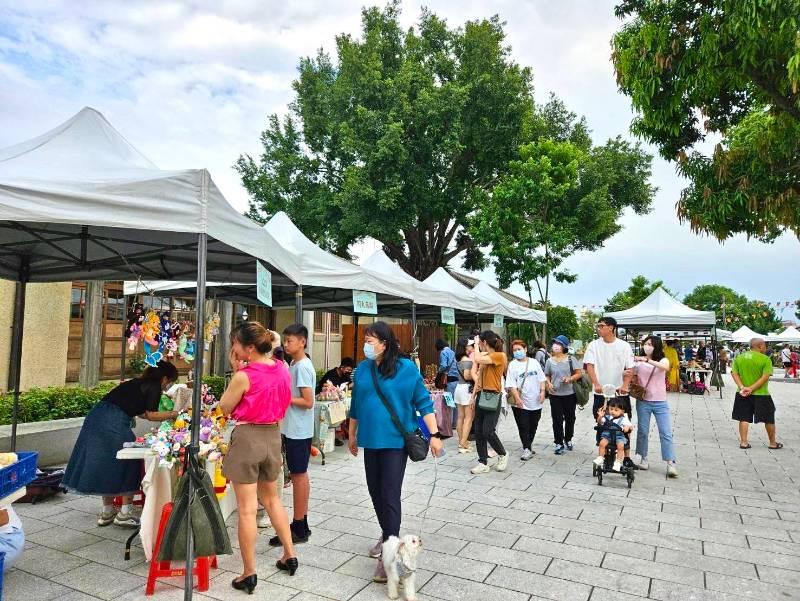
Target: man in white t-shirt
{"x": 786, "y": 359}
{"x": 609, "y": 360}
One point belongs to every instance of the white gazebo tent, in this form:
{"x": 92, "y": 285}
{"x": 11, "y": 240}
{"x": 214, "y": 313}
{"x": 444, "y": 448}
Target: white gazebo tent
{"x": 663, "y": 312}
{"x": 484, "y": 291}
{"x": 745, "y": 335}
{"x": 80, "y": 202}
{"x": 791, "y": 334}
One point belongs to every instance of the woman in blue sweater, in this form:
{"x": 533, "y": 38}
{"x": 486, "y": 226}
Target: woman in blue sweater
{"x": 371, "y": 426}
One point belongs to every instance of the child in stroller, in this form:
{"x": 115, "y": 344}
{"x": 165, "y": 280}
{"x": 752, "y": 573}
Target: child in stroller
{"x": 612, "y": 423}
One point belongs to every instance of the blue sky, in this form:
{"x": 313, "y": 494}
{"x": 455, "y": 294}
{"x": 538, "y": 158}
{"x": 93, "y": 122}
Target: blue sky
{"x": 191, "y": 84}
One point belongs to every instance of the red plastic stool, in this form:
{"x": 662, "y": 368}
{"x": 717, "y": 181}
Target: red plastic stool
{"x": 163, "y": 569}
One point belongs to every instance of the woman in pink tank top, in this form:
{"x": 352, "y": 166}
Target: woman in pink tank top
{"x": 257, "y": 398}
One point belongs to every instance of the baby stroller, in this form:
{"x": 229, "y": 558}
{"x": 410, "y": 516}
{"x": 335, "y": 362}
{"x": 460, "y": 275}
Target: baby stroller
{"x": 625, "y": 470}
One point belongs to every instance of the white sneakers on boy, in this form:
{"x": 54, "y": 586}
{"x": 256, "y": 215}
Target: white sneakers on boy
{"x": 672, "y": 471}
{"x": 502, "y": 463}
{"x": 643, "y": 465}
{"x": 481, "y": 468}
{"x": 617, "y": 466}
{"x": 598, "y": 461}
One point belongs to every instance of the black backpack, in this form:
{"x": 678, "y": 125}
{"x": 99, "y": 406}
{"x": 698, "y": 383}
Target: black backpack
{"x": 46, "y": 484}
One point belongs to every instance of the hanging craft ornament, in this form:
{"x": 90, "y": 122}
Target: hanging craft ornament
{"x": 211, "y": 330}
{"x": 151, "y": 328}
{"x": 133, "y": 328}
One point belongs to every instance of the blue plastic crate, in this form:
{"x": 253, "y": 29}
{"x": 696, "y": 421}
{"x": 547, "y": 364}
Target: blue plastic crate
{"x": 20, "y": 474}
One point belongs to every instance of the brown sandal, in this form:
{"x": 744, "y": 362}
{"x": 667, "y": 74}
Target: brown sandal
{"x": 744, "y": 447}
{"x": 778, "y": 445}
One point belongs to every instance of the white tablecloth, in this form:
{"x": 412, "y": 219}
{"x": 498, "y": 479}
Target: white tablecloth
{"x": 158, "y": 485}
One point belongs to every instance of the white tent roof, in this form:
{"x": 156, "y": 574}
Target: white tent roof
{"x": 790, "y": 334}
{"x": 745, "y": 334}
{"x": 515, "y": 311}
{"x": 660, "y": 310}
{"x": 443, "y": 290}
{"x": 81, "y": 202}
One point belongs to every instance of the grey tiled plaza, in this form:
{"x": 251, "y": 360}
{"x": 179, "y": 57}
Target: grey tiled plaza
{"x": 727, "y": 528}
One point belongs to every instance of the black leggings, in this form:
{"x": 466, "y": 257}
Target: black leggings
{"x": 385, "y": 469}
{"x": 527, "y": 423}
{"x": 562, "y": 408}
{"x": 486, "y": 432}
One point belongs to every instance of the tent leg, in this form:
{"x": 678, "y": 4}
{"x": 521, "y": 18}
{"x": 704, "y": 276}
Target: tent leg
{"x": 124, "y": 340}
{"x": 194, "y": 447}
{"x": 298, "y": 304}
{"x": 414, "y": 341}
{"x": 355, "y": 338}
{"x": 16, "y": 346}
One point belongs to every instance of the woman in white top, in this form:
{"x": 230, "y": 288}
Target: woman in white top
{"x": 651, "y": 371}
{"x": 525, "y": 382}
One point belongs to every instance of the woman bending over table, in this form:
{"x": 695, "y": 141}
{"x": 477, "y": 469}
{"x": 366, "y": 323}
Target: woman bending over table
{"x": 93, "y": 467}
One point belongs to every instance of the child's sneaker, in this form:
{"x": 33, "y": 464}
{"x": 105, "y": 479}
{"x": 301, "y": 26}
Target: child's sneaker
{"x": 643, "y": 465}
{"x": 106, "y": 517}
{"x": 502, "y": 463}
{"x": 672, "y": 471}
{"x": 617, "y": 466}
{"x": 481, "y": 468}
{"x": 598, "y": 461}
{"x": 570, "y": 446}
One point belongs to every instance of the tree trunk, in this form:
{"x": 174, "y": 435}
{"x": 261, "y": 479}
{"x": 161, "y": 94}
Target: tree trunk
{"x": 92, "y": 335}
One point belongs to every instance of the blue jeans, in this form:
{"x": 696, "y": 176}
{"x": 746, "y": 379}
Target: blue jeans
{"x": 11, "y": 544}
{"x": 659, "y": 409}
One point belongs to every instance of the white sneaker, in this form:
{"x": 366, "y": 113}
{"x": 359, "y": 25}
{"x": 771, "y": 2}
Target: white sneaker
{"x": 481, "y": 468}
{"x": 126, "y": 520}
{"x": 377, "y": 549}
{"x": 526, "y": 454}
{"x": 598, "y": 460}
{"x": 643, "y": 465}
{"x": 502, "y": 463}
{"x": 106, "y": 517}
{"x": 672, "y": 471}
{"x": 617, "y": 466}
{"x": 263, "y": 521}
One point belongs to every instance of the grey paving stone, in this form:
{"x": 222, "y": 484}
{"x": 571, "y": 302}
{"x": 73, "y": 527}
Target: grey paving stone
{"x": 612, "y": 579}
{"x": 345, "y": 525}
{"x": 655, "y": 570}
{"x": 706, "y": 563}
{"x": 530, "y": 530}
{"x": 111, "y": 553}
{"x": 765, "y": 544}
{"x": 545, "y": 587}
{"x": 771, "y": 524}
{"x": 602, "y": 594}
{"x": 761, "y": 530}
{"x": 23, "y": 586}
{"x": 762, "y": 557}
{"x": 750, "y": 589}
{"x": 457, "y": 517}
{"x": 333, "y": 508}
{"x": 457, "y": 589}
{"x": 478, "y": 535}
{"x": 46, "y": 562}
{"x": 485, "y": 499}
{"x": 506, "y": 513}
{"x": 633, "y": 514}
{"x": 780, "y": 576}
{"x": 658, "y": 539}
{"x": 511, "y": 558}
{"x": 458, "y": 566}
{"x": 716, "y": 536}
{"x": 64, "y": 539}
{"x": 612, "y": 545}
{"x": 589, "y": 525}
{"x": 535, "y": 507}
{"x": 100, "y": 581}
{"x": 553, "y": 549}
{"x": 328, "y": 584}
{"x": 671, "y": 591}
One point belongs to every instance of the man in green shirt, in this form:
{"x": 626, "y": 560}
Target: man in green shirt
{"x": 753, "y": 404}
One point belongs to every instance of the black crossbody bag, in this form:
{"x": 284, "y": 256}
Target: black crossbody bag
{"x": 417, "y": 446}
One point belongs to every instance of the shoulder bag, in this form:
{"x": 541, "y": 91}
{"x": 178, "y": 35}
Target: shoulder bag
{"x": 441, "y": 378}
{"x": 416, "y": 444}
{"x": 583, "y": 387}
{"x": 638, "y": 391}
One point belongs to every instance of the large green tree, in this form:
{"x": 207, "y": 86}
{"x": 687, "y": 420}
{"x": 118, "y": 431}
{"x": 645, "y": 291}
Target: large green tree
{"x": 733, "y": 309}
{"x": 396, "y": 138}
{"x": 562, "y": 320}
{"x": 727, "y": 70}
{"x": 561, "y": 196}
{"x": 639, "y": 290}
{"x": 587, "y": 326}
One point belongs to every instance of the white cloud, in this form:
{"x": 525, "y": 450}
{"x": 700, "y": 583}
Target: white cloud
{"x": 191, "y": 84}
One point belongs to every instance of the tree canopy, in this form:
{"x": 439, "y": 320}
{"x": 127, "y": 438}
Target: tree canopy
{"x": 738, "y": 309}
{"x": 560, "y": 196}
{"x": 639, "y": 290}
{"x": 396, "y": 139}
{"x": 561, "y": 320}
{"x": 724, "y": 69}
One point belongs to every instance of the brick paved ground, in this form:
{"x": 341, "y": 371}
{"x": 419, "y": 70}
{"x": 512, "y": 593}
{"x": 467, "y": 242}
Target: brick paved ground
{"x": 728, "y": 528}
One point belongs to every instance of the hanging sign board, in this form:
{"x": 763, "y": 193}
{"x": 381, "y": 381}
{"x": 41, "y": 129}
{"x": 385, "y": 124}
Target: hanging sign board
{"x": 263, "y": 284}
{"x": 448, "y": 316}
{"x": 365, "y": 302}
{"x": 498, "y": 321}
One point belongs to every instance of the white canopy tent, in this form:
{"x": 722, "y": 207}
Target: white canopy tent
{"x": 745, "y": 335}
{"x": 515, "y": 311}
{"x": 663, "y": 312}
{"x": 791, "y": 334}
{"x": 80, "y": 202}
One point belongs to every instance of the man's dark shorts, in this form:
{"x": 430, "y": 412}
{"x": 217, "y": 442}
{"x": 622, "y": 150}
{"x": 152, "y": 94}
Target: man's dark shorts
{"x": 756, "y": 409}
{"x": 599, "y": 401}
{"x": 298, "y": 453}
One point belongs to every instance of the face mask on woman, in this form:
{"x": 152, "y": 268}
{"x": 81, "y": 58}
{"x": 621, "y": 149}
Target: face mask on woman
{"x": 369, "y": 351}
{"x": 519, "y": 354}
{"x": 648, "y": 349}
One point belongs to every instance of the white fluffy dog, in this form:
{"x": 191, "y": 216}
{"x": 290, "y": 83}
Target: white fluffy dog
{"x": 400, "y": 563}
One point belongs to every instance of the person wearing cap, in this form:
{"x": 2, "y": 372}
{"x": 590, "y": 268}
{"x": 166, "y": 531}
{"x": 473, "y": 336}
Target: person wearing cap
{"x": 562, "y": 371}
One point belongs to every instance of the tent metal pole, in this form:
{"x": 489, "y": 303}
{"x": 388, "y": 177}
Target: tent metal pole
{"x": 355, "y": 338}
{"x": 194, "y": 447}
{"x": 414, "y": 342}
{"x": 298, "y": 304}
{"x": 124, "y": 341}
{"x": 15, "y": 373}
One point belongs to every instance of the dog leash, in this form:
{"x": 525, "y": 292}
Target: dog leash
{"x": 430, "y": 496}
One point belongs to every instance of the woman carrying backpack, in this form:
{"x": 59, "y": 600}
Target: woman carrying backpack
{"x": 562, "y": 372}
